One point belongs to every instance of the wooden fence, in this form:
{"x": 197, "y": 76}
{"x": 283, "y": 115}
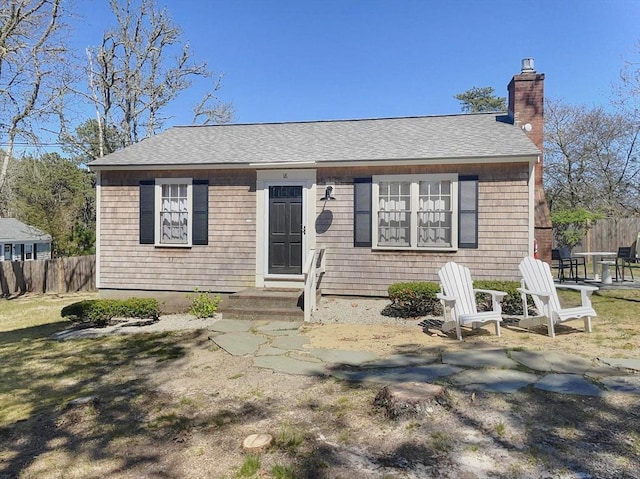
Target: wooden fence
{"x": 60, "y": 275}
{"x": 609, "y": 234}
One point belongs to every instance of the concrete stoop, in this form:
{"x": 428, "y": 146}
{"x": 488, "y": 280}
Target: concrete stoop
{"x": 264, "y": 303}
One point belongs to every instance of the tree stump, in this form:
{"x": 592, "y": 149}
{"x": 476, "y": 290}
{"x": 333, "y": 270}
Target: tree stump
{"x": 409, "y": 399}
{"x": 257, "y": 442}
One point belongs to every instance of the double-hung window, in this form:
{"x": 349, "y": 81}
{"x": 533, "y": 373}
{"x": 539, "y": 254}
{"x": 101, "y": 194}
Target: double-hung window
{"x": 174, "y": 200}
{"x": 173, "y": 212}
{"x": 415, "y": 211}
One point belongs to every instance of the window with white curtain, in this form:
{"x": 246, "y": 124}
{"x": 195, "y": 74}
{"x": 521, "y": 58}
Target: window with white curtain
{"x": 415, "y": 211}
{"x": 394, "y": 213}
{"x": 174, "y": 210}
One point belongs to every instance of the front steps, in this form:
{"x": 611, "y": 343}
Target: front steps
{"x": 264, "y": 303}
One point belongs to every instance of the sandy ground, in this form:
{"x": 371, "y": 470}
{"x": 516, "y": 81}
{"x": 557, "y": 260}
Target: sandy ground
{"x": 362, "y": 324}
{"x": 358, "y": 324}
{"x": 187, "y": 418}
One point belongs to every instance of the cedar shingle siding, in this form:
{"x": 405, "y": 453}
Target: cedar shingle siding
{"x": 225, "y": 264}
{"x": 502, "y": 236}
{"x": 228, "y": 262}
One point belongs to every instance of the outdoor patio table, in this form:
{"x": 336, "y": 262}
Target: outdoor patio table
{"x": 596, "y": 257}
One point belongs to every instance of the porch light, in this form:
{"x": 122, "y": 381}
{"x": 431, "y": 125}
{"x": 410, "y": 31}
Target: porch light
{"x": 328, "y": 193}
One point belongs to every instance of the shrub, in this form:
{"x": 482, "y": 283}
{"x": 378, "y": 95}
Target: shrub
{"x": 417, "y": 298}
{"x": 204, "y": 305}
{"x": 512, "y": 302}
{"x": 145, "y": 308}
{"x": 571, "y": 225}
{"x": 101, "y": 311}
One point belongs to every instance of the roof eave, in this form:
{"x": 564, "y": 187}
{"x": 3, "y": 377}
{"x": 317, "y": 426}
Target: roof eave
{"x": 519, "y": 158}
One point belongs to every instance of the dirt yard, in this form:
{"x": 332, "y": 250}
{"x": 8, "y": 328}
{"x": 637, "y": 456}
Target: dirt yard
{"x": 173, "y": 405}
{"x": 358, "y": 324}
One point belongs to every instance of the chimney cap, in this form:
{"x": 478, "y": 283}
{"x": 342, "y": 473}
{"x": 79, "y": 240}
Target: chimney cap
{"x": 527, "y": 66}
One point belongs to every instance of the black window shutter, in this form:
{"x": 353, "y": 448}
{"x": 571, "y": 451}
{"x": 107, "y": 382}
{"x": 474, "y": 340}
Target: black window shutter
{"x": 362, "y": 212}
{"x": 200, "y": 232}
{"x": 147, "y": 206}
{"x": 35, "y": 250}
{"x": 468, "y": 212}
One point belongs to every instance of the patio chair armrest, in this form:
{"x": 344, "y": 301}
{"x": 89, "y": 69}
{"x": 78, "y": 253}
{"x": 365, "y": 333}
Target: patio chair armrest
{"x": 446, "y": 299}
{"x": 448, "y": 302}
{"x": 544, "y": 296}
{"x": 585, "y": 292}
{"x": 577, "y": 287}
{"x": 496, "y": 298}
{"x": 495, "y": 295}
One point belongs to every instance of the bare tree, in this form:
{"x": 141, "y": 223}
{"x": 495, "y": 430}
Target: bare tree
{"x": 591, "y": 160}
{"x": 627, "y": 98}
{"x": 31, "y": 49}
{"x": 140, "y": 67}
{"x": 210, "y": 110}
{"x": 627, "y": 89}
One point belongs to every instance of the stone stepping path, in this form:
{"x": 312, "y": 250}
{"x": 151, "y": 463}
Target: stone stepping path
{"x": 239, "y": 344}
{"x": 343, "y": 357}
{"x": 627, "y": 384}
{"x": 552, "y": 361}
{"x": 494, "y": 380}
{"x": 568, "y": 384}
{"x": 630, "y": 364}
{"x": 284, "y": 364}
{"x": 492, "y": 358}
{"x": 398, "y": 375}
{"x": 279, "y": 346}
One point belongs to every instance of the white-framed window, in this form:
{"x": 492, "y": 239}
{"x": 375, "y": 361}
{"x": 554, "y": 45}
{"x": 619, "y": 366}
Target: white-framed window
{"x": 415, "y": 211}
{"x": 174, "y": 211}
{"x": 28, "y": 251}
{"x": 8, "y": 252}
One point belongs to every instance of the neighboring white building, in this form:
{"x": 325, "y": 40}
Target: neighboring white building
{"x": 21, "y": 242}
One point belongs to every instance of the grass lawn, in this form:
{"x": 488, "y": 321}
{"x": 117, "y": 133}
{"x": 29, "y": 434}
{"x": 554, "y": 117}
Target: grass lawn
{"x": 172, "y": 405}
{"x": 41, "y": 376}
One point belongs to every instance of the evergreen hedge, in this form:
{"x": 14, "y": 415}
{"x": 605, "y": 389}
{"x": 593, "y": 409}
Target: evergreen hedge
{"x": 418, "y": 298}
{"x": 415, "y": 298}
{"x": 101, "y": 311}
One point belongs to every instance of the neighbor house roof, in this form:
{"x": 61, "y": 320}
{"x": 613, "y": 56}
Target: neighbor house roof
{"x": 485, "y": 135}
{"x": 12, "y": 230}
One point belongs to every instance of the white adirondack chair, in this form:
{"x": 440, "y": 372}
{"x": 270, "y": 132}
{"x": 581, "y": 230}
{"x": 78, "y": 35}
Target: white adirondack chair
{"x": 459, "y": 298}
{"x": 538, "y": 283}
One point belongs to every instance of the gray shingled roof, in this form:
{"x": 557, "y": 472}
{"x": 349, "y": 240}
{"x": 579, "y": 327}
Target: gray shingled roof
{"x": 485, "y": 135}
{"x": 12, "y": 230}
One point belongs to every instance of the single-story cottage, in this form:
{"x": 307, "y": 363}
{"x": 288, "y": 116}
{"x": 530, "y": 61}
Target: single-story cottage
{"x": 227, "y": 207}
{"x": 21, "y": 242}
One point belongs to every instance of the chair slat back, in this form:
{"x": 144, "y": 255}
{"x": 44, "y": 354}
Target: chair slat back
{"x": 564, "y": 253}
{"x": 456, "y": 282}
{"x": 537, "y": 277}
{"x": 624, "y": 252}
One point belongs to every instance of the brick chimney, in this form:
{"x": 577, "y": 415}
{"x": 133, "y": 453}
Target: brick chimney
{"x": 526, "y": 110}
